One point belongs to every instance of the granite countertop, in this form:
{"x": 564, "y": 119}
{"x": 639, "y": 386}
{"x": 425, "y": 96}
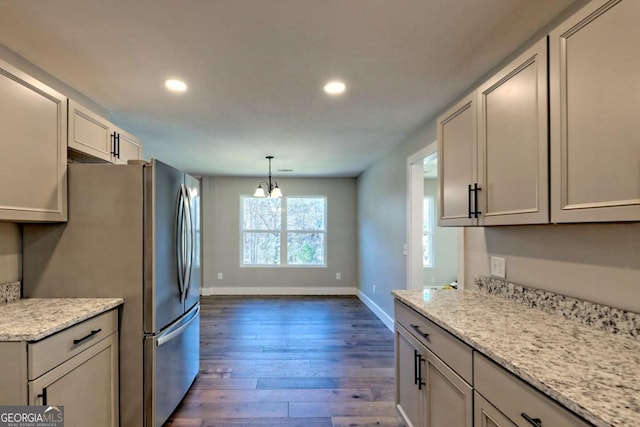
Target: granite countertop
{"x": 32, "y": 319}
{"x": 594, "y": 373}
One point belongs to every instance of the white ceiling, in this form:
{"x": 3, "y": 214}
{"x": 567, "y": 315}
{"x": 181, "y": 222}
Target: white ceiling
{"x": 256, "y": 68}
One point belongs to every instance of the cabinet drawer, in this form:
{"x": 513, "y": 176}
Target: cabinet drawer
{"x": 450, "y": 349}
{"x": 515, "y": 398}
{"x": 50, "y": 352}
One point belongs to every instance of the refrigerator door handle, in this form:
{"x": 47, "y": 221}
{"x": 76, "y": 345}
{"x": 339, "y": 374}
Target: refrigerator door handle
{"x": 191, "y": 242}
{"x": 179, "y": 242}
{"x": 165, "y": 338}
{"x": 186, "y": 243}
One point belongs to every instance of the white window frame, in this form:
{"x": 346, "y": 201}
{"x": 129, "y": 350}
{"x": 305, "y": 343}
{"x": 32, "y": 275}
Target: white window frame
{"x": 284, "y": 231}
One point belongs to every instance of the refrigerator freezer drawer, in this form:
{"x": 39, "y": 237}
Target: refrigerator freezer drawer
{"x": 172, "y": 362}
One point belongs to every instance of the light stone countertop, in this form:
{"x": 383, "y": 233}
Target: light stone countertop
{"x": 594, "y": 373}
{"x": 32, "y": 319}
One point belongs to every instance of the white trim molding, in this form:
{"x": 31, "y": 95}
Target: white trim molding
{"x": 284, "y": 290}
{"x": 375, "y": 308}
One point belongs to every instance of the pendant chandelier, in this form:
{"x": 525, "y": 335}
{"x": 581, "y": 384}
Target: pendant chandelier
{"x": 271, "y": 187}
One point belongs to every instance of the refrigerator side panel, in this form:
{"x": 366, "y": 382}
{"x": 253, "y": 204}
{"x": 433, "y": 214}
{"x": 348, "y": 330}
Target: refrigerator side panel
{"x": 98, "y": 253}
{"x": 195, "y": 276}
{"x": 162, "y": 290}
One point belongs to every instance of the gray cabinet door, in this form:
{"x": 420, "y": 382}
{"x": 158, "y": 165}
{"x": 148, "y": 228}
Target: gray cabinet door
{"x": 86, "y": 385}
{"x": 486, "y": 415}
{"x": 457, "y": 162}
{"x": 89, "y": 133}
{"x": 33, "y": 134}
{"x": 513, "y": 142}
{"x": 408, "y": 395}
{"x": 449, "y": 398}
{"x": 129, "y": 147}
{"x": 594, "y": 98}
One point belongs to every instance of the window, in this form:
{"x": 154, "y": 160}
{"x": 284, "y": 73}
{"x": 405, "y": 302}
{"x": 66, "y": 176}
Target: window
{"x": 428, "y": 226}
{"x": 289, "y": 231}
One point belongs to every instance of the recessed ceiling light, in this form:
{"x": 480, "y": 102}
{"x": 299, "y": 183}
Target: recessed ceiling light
{"x": 175, "y": 85}
{"x": 335, "y": 87}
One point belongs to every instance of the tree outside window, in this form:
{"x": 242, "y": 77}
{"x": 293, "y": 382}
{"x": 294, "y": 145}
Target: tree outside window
{"x": 289, "y": 231}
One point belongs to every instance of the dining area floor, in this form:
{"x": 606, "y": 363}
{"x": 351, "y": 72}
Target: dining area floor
{"x": 291, "y": 361}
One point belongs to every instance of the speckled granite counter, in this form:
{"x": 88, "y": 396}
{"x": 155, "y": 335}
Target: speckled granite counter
{"x": 32, "y": 319}
{"x": 594, "y": 373}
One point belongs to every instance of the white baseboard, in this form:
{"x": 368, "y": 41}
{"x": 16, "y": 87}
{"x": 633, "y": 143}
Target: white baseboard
{"x": 384, "y": 317}
{"x": 290, "y": 290}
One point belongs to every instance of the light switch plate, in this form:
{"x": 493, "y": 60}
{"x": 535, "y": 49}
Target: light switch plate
{"x": 498, "y": 267}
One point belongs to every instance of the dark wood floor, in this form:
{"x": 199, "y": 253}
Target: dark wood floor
{"x": 291, "y": 361}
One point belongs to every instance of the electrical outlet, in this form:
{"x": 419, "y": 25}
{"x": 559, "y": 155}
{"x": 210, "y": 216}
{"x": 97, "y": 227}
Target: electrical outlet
{"x": 498, "y": 267}
{"x": 338, "y": 276}
{"x": 374, "y": 289}
{"x": 219, "y": 276}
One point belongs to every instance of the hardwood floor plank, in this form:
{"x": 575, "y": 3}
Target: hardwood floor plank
{"x": 341, "y": 409}
{"x": 291, "y": 361}
{"x": 214, "y": 410}
{"x": 366, "y": 422}
{"x": 286, "y": 395}
{"x": 271, "y": 422}
{"x": 284, "y": 383}
{"x": 277, "y": 372}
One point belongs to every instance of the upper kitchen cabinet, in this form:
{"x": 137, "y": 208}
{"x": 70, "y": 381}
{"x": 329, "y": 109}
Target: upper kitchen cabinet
{"x": 595, "y": 131}
{"x": 457, "y": 160}
{"x": 89, "y": 133}
{"x": 33, "y": 136}
{"x": 513, "y": 142}
{"x": 94, "y": 136}
{"x": 126, "y": 147}
{"x": 493, "y": 148}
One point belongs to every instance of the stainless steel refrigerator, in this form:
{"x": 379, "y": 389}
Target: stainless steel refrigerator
{"x": 133, "y": 232}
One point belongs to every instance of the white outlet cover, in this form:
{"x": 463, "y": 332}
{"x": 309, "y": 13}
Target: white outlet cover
{"x": 498, "y": 267}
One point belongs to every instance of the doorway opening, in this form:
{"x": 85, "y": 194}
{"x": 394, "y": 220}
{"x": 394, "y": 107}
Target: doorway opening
{"x": 434, "y": 254}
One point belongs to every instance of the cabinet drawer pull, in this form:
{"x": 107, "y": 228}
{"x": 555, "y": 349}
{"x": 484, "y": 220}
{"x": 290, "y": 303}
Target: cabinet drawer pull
{"x": 416, "y": 358}
{"x": 92, "y": 333}
{"x": 537, "y": 422}
{"x": 417, "y": 329}
{"x": 420, "y": 382}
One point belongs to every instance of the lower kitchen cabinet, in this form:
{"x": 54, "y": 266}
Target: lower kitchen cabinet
{"x": 428, "y": 391}
{"x": 409, "y": 383}
{"x": 443, "y": 382}
{"x": 449, "y": 397}
{"x": 76, "y": 368}
{"x": 486, "y": 415}
{"x": 508, "y": 401}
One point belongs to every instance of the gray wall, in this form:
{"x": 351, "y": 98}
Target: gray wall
{"x": 19, "y": 62}
{"x": 382, "y": 220}
{"x": 221, "y": 237}
{"x": 596, "y": 262}
{"x": 10, "y": 252}
{"x": 445, "y": 246}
